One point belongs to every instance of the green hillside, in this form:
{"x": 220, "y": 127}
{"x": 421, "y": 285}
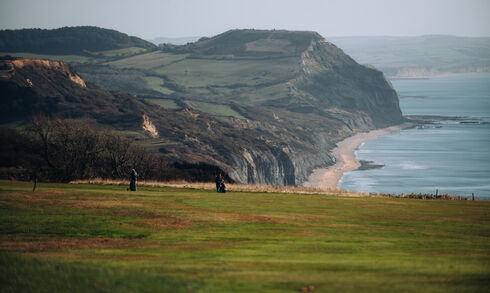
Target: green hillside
{"x": 85, "y": 41}
{"x": 249, "y": 43}
{"x": 175, "y": 41}
{"x": 226, "y": 64}
{"x": 250, "y": 67}
{"x": 86, "y": 238}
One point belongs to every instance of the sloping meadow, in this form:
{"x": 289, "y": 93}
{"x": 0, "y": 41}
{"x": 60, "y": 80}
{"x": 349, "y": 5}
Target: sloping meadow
{"x": 99, "y": 238}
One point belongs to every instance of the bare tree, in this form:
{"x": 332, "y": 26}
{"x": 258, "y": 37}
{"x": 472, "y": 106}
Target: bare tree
{"x": 41, "y": 127}
{"x": 78, "y": 147}
{"x": 142, "y": 160}
{"x": 75, "y": 149}
{"x": 117, "y": 150}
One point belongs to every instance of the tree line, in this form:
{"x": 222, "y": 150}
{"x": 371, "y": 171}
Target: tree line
{"x": 61, "y": 150}
{"x": 68, "y": 40}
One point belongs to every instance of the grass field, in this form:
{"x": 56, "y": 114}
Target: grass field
{"x": 156, "y": 83}
{"x": 96, "y": 238}
{"x": 147, "y": 61}
{"x": 252, "y": 80}
{"x": 79, "y": 58}
{"x": 214, "y": 109}
{"x": 165, "y": 103}
{"x": 65, "y": 58}
{"x": 120, "y": 52}
{"x": 204, "y": 72}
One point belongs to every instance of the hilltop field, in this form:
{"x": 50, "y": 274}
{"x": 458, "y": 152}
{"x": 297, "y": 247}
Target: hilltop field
{"x": 102, "y": 238}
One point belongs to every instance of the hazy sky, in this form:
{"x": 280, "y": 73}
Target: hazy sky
{"x": 177, "y": 18}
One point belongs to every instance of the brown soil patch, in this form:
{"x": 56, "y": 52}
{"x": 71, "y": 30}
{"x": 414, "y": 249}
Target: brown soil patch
{"x": 349, "y": 226}
{"x": 301, "y": 219}
{"x": 111, "y": 206}
{"x": 177, "y": 206}
{"x": 166, "y": 222}
{"x": 95, "y": 204}
{"x": 29, "y": 201}
{"x": 308, "y": 232}
{"x": 15, "y": 243}
{"x": 93, "y": 255}
{"x": 166, "y": 246}
{"x": 233, "y": 217}
{"x": 208, "y": 215}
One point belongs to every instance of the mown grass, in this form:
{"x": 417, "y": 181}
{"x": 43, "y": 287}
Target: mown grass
{"x": 97, "y": 238}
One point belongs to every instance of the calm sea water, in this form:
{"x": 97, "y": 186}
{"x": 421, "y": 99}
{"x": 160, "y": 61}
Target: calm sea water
{"x": 452, "y": 156}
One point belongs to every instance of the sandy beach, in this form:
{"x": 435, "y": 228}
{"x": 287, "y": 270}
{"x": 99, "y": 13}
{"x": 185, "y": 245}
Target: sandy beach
{"x": 346, "y": 160}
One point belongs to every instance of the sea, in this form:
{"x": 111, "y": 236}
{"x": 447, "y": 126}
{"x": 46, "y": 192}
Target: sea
{"x": 450, "y": 156}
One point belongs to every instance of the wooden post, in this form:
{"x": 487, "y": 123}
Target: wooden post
{"x": 472, "y": 196}
{"x": 35, "y": 185}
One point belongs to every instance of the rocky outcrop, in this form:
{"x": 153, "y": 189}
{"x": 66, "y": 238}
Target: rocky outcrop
{"x": 149, "y": 127}
{"x": 265, "y": 166}
{"x": 47, "y": 65}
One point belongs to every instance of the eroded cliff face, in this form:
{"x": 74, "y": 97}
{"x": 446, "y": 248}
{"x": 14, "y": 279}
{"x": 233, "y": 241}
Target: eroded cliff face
{"x": 149, "y": 127}
{"x": 332, "y": 97}
{"x": 272, "y": 166}
{"x": 341, "y": 87}
{"x": 286, "y": 163}
{"x": 42, "y": 65}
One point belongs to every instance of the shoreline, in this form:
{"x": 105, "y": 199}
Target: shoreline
{"x": 346, "y": 159}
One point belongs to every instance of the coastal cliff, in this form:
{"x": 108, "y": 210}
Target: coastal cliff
{"x": 267, "y": 107}
{"x": 325, "y": 97}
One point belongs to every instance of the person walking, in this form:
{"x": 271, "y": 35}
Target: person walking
{"x": 133, "y": 180}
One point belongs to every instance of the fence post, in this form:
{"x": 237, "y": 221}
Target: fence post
{"x": 35, "y": 185}
{"x": 472, "y": 196}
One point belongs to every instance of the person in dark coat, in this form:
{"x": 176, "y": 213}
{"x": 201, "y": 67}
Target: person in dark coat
{"x": 219, "y": 178}
{"x": 222, "y": 186}
{"x": 133, "y": 180}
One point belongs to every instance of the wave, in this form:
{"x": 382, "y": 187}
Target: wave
{"x": 411, "y": 166}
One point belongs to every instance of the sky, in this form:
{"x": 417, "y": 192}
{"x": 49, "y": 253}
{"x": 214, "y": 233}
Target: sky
{"x": 149, "y": 19}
